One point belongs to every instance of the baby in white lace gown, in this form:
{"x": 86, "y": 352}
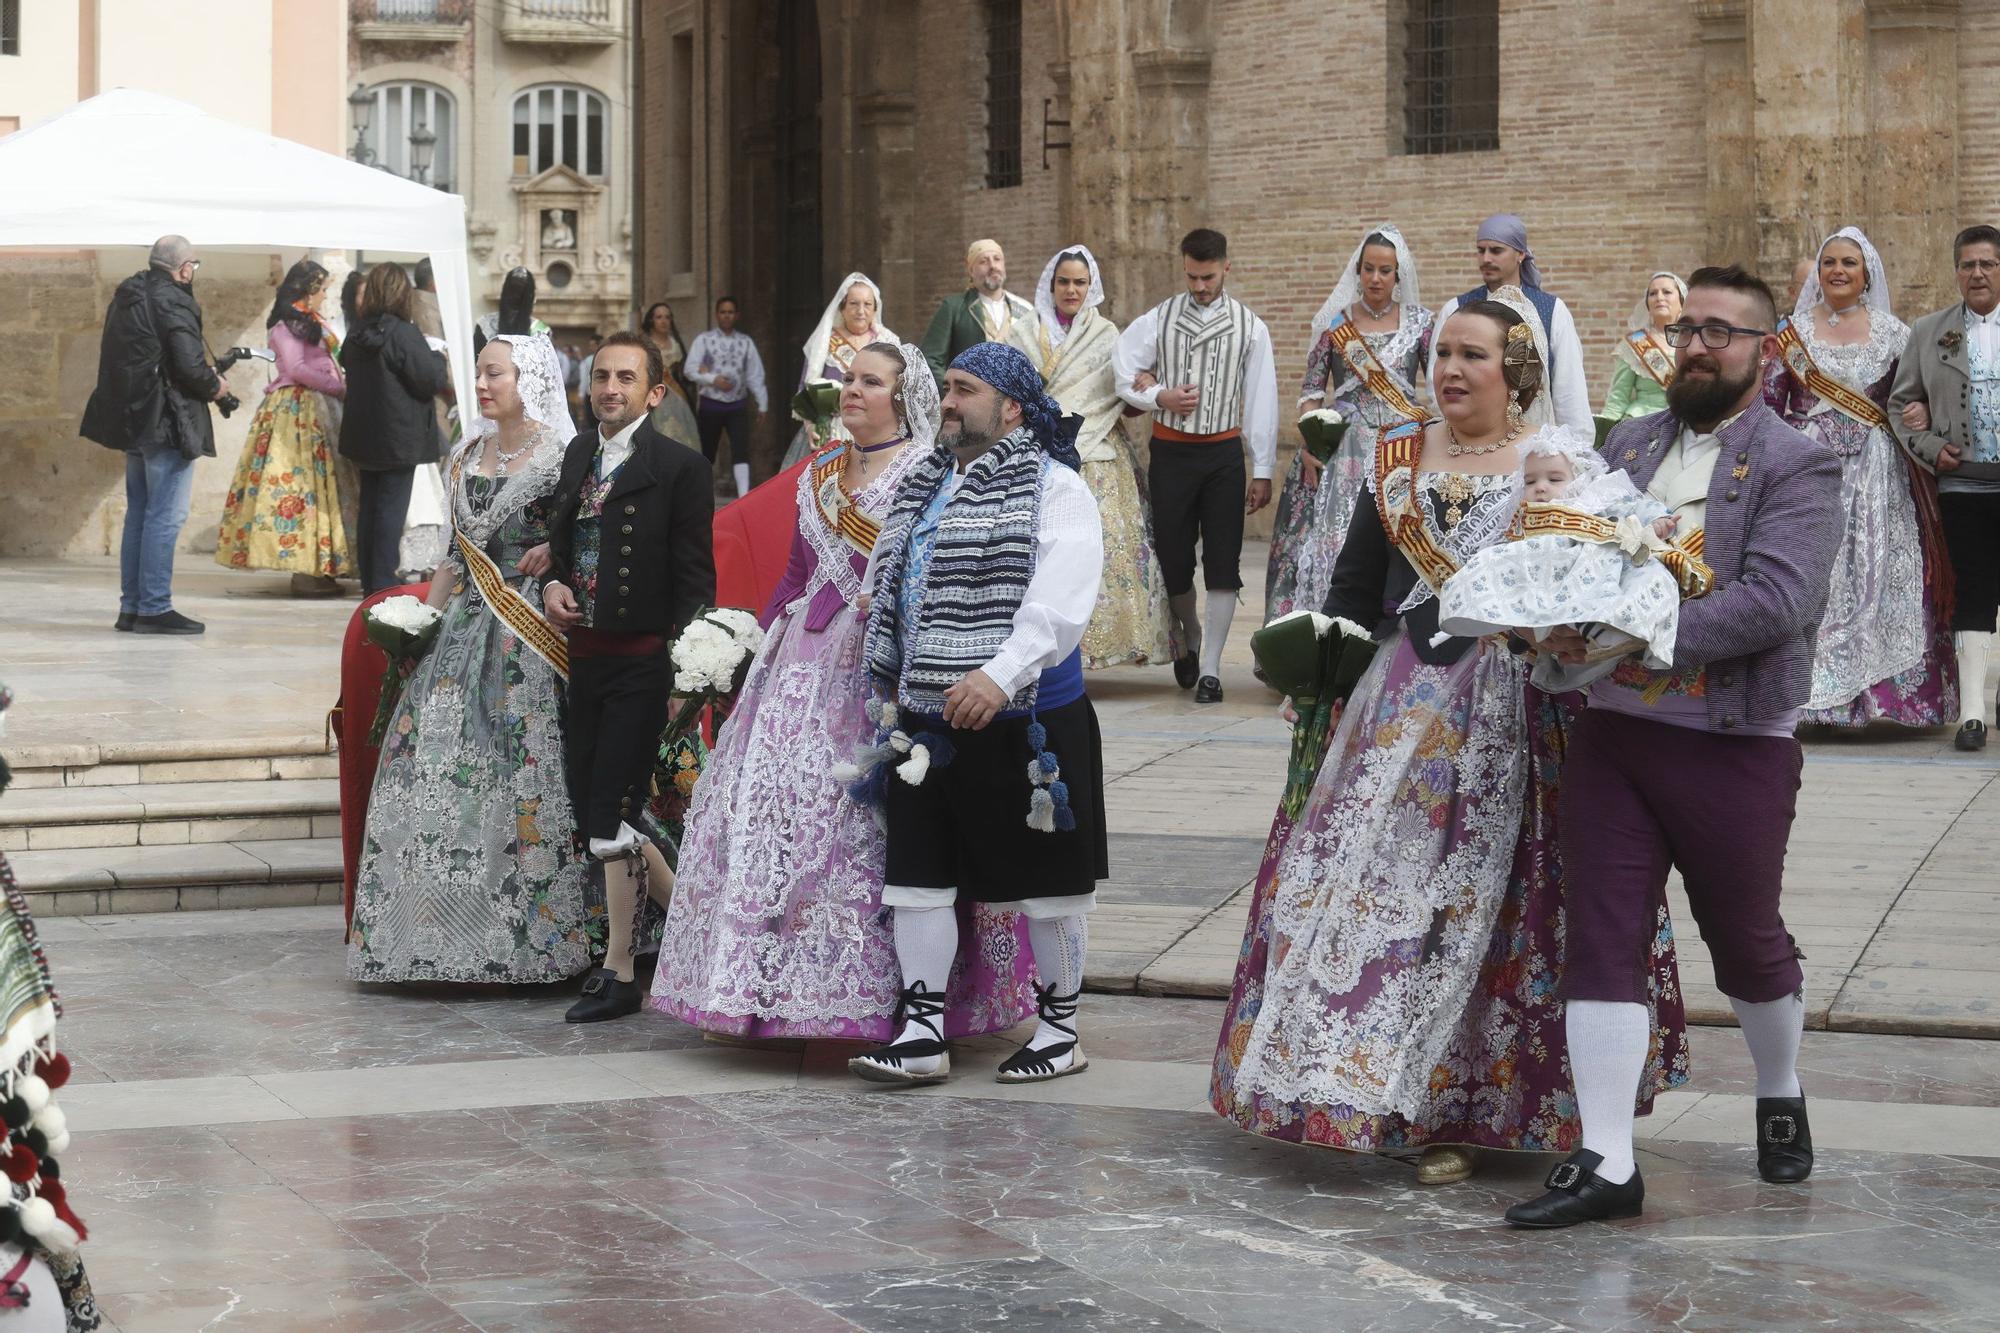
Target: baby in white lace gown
{"x": 1584, "y": 554}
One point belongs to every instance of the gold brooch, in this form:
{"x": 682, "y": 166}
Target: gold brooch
{"x": 1741, "y": 471}
{"x": 1631, "y": 454}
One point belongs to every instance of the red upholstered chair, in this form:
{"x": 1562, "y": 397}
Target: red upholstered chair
{"x": 361, "y": 668}
{"x": 753, "y": 540}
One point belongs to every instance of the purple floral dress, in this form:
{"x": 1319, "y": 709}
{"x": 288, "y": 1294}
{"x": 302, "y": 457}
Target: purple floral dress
{"x": 777, "y": 927}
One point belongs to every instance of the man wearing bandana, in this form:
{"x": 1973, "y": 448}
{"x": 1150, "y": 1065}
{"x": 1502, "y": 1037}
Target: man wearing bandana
{"x": 988, "y": 767}
{"x": 1506, "y": 261}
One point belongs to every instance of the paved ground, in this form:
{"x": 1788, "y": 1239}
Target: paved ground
{"x": 262, "y": 1145}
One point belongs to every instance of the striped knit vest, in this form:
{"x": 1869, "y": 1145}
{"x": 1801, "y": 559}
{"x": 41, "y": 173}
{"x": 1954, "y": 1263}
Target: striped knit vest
{"x": 1209, "y": 352}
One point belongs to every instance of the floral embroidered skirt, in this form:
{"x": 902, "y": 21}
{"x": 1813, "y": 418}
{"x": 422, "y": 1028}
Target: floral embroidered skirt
{"x": 1130, "y": 622}
{"x": 283, "y": 511}
{"x": 776, "y": 927}
{"x": 1311, "y": 523}
{"x": 1397, "y": 980}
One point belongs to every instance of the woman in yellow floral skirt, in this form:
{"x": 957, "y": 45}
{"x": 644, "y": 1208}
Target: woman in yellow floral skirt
{"x": 283, "y": 511}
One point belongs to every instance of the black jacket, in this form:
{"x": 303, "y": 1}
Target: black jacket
{"x": 392, "y": 376}
{"x": 154, "y": 383}
{"x": 657, "y": 568}
{"x": 1371, "y": 577}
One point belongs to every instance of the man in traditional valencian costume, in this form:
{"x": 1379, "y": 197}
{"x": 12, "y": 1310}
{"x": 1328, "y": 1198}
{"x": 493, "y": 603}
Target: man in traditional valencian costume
{"x": 1506, "y": 261}
{"x": 630, "y": 564}
{"x": 1695, "y": 767}
{"x": 1212, "y": 387}
{"x": 988, "y": 766}
{"x": 984, "y": 312}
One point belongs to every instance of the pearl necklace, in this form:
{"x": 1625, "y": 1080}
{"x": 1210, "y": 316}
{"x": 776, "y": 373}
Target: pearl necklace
{"x": 1834, "y": 316}
{"x": 1457, "y": 450}
{"x": 502, "y": 456}
{"x": 1373, "y": 313}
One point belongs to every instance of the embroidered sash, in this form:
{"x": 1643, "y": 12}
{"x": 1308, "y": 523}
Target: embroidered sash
{"x": 1368, "y": 368}
{"x": 1650, "y": 357}
{"x": 1682, "y": 557}
{"x": 1400, "y": 503}
{"x": 837, "y": 509}
{"x": 514, "y": 611}
{"x": 1847, "y": 401}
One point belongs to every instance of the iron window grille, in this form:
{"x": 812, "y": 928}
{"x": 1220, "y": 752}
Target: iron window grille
{"x": 1003, "y": 94}
{"x": 1451, "y": 76}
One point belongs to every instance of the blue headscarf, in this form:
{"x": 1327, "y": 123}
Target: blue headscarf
{"x": 1510, "y": 231}
{"x": 1008, "y": 369}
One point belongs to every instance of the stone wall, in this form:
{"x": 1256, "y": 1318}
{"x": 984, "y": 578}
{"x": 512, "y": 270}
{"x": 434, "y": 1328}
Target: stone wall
{"x": 63, "y": 494}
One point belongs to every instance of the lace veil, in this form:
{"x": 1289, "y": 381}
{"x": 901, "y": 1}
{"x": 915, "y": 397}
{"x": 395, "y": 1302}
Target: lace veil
{"x": 538, "y": 373}
{"x": 1542, "y": 411}
{"x": 922, "y": 410}
{"x": 1875, "y": 298}
{"x": 1348, "y": 290}
{"x": 1045, "y": 292}
{"x": 822, "y": 334}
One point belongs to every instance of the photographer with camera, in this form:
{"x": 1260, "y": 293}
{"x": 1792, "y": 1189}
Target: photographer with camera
{"x": 154, "y": 387}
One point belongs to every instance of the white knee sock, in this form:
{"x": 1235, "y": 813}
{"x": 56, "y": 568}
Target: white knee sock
{"x": 1185, "y": 623}
{"x": 1059, "y": 944}
{"x": 1607, "y": 1056}
{"x": 926, "y": 944}
{"x": 1217, "y": 612}
{"x": 1773, "y": 1031}
{"x": 1974, "y": 646}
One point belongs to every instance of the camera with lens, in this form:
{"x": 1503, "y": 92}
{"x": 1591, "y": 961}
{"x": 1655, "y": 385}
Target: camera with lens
{"x": 226, "y": 404}
{"x": 230, "y": 358}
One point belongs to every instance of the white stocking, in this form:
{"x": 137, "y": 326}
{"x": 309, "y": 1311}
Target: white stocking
{"x": 1607, "y": 1056}
{"x": 1059, "y": 943}
{"x": 1183, "y": 608}
{"x": 1217, "y": 612}
{"x": 1974, "y": 649}
{"x": 926, "y": 944}
{"x": 1772, "y": 1030}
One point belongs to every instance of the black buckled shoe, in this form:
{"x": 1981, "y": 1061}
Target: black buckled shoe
{"x": 1209, "y": 691}
{"x": 1784, "y": 1140}
{"x": 921, "y": 1008}
{"x": 124, "y": 622}
{"x": 606, "y": 997}
{"x": 1578, "y": 1194}
{"x": 1971, "y": 736}
{"x": 1029, "y": 1065}
{"x": 1187, "y": 669}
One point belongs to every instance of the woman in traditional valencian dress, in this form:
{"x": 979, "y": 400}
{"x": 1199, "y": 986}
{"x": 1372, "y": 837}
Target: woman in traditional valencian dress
{"x": 776, "y": 927}
{"x": 1645, "y": 363}
{"x": 1373, "y": 320}
{"x": 850, "y": 322}
{"x": 1885, "y": 650}
{"x": 674, "y": 417}
{"x": 1396, "y": 987}
{"x": 283, "y": 510}
{"x": 468, "y": 866}
{"x": 1130, "y": 623}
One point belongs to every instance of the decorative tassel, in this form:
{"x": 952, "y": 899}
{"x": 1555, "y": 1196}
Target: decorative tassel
{"x": 1051, "y": 766}
{"x": 54, "y": 1068}
{"x": 845, "y": 773}
{"x": 38, "y": 1218}
{"x": 1038, "y": 737}
{"x": 914, "y": 769}
{"x": 899, "y": 742}
{"x": 1042, "y": 811}
{"x": 1065, "y": 817}
{"x": 10, "y": 1224}
{"x": 51, "y": 1121}
{"x": 60, "y": 1143}
{"x": 15, "y": 1112}
{"x": 22, "y": 1164}
{"x": 33, "y": 1090}
{"x": 943, "y": 751}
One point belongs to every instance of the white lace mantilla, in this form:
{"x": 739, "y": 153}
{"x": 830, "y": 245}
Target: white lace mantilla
{"x": 834, "y": 564}
{"x": 1487, "y": 502}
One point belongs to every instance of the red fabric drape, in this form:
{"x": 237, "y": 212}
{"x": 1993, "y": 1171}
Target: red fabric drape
{"x": 361, "y": 668}
{"x": 753, "y": 540}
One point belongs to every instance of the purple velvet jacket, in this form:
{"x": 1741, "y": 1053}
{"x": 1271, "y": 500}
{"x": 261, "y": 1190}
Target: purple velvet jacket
{"x": 1773, "y": 528}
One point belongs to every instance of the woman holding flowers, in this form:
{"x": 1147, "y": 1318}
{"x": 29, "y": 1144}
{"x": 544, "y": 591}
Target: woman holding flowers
{"x": 776, "y": 927}
{"x": 1396, "y": 986}
{"x": 1371, "y": 343}
{"x": 468, "y": 866}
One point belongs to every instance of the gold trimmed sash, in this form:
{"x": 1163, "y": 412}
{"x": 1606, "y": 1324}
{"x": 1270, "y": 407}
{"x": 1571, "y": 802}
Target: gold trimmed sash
{"x": 1799, "y": 360}
{"x": 1682, "y": 557}
{"x": 837, "y": 509}
{"x": 1368, "y": 368}
{"x": 516, "y": 612}
{"x": 1400, "y": 505}
{"x": 1650, "y": 358}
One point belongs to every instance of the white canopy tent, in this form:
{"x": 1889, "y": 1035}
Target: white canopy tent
{"x": 127, "y": 167}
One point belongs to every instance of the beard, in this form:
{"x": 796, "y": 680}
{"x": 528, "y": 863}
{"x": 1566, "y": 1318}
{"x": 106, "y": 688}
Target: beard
{"x": 971, "y": 439}
{"x": 1703, "y": 402}
{"x": 991, "y": 283}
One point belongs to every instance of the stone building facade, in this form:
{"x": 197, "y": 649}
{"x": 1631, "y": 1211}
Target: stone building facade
{"x": 1631, "y": 135}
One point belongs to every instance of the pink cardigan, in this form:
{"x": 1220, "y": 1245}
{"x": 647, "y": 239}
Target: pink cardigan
{"x": 308, "y": 365}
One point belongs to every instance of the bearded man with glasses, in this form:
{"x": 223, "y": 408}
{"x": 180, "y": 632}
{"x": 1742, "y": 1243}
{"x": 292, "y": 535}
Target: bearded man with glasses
{"x": 1945, "y": 409}
{"x": 1695, "y": 766}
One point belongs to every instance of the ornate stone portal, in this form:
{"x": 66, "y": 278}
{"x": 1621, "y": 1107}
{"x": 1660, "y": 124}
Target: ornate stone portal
{"x": 577, "y": 254}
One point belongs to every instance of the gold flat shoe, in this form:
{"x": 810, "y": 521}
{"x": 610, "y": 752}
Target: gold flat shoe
{"x": 1446, "y": 1164}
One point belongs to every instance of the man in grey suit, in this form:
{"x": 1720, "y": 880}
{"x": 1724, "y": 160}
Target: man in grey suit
{"x": 1695, "y": 767}
{"x": 1945, "y": 408}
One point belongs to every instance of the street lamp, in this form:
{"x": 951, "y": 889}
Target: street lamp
{"x": 360, "y": 105}
{"x": 423, "y": 144}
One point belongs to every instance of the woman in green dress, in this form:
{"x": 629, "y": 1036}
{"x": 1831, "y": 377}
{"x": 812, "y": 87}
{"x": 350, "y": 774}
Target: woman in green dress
{"x": 1645, "y": 363}
{"x": 469, "y": 870}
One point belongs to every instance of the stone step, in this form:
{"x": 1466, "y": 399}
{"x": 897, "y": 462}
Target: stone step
{"x": 168, "y": 813}
{"x": 136, "y": 763}
{"x": 93, "y": 881}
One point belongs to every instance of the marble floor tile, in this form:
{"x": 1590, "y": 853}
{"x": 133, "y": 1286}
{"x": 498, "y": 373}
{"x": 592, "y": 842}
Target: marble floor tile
{"x": 386, "y": 1090}
{"x": 713, "y": 1296}
{"x": 180, "y": 1239}
{"x": 556, "y": 1236}
{"x": 1041, "y": 1294}
{"x": 171, "y": 1102}
{"x": 365, "y": 1305}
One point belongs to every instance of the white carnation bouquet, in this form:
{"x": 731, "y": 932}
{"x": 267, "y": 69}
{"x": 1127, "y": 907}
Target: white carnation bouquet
{"x": 404, "y": 628}
{"x": 711, "y": 659}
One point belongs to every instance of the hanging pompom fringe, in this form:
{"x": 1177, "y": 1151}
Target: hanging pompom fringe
{"x": 1042, "y": 811}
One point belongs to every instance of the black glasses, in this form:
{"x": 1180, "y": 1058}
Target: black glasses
{"x": 1715, "y": 337}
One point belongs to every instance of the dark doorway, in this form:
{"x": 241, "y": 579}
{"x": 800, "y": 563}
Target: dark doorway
{"x": 797, "y": 146}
